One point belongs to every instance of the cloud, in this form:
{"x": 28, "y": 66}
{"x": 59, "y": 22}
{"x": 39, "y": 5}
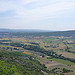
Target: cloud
{"x": 45, "y": 11}
{"x": 46, "y": 8}
{"x": 27, "y": 12}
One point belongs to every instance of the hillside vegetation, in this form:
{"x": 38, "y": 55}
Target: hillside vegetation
{"x": 43, "y": 53}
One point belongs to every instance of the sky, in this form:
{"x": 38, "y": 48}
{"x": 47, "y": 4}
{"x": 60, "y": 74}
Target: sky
{"x": 37, "y": 14}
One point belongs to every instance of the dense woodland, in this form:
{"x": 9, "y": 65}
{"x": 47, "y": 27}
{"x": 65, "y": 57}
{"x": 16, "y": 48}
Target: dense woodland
{"x": 13, "y": 63}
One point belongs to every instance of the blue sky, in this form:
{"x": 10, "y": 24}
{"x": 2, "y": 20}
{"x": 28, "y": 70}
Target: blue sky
{"x": 37, "y": 14}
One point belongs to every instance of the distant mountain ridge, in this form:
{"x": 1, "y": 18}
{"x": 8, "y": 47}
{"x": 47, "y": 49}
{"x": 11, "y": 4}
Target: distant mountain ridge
{"x": 23, "y": 30}
{"x": 32, "y": 32}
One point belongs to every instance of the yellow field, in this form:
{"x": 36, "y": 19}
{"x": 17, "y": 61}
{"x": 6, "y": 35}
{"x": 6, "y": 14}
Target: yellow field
{"x": 27, "y": 53}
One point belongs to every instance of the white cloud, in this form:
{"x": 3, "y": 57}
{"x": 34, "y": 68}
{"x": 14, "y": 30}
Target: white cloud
{"x": 30, "y": 11}
{"x": 18, "y": 7}
{"x": 46, "y": 11}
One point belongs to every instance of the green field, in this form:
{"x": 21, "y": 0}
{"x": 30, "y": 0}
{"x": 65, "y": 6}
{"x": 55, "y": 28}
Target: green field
{"x": 62, "y": 61}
